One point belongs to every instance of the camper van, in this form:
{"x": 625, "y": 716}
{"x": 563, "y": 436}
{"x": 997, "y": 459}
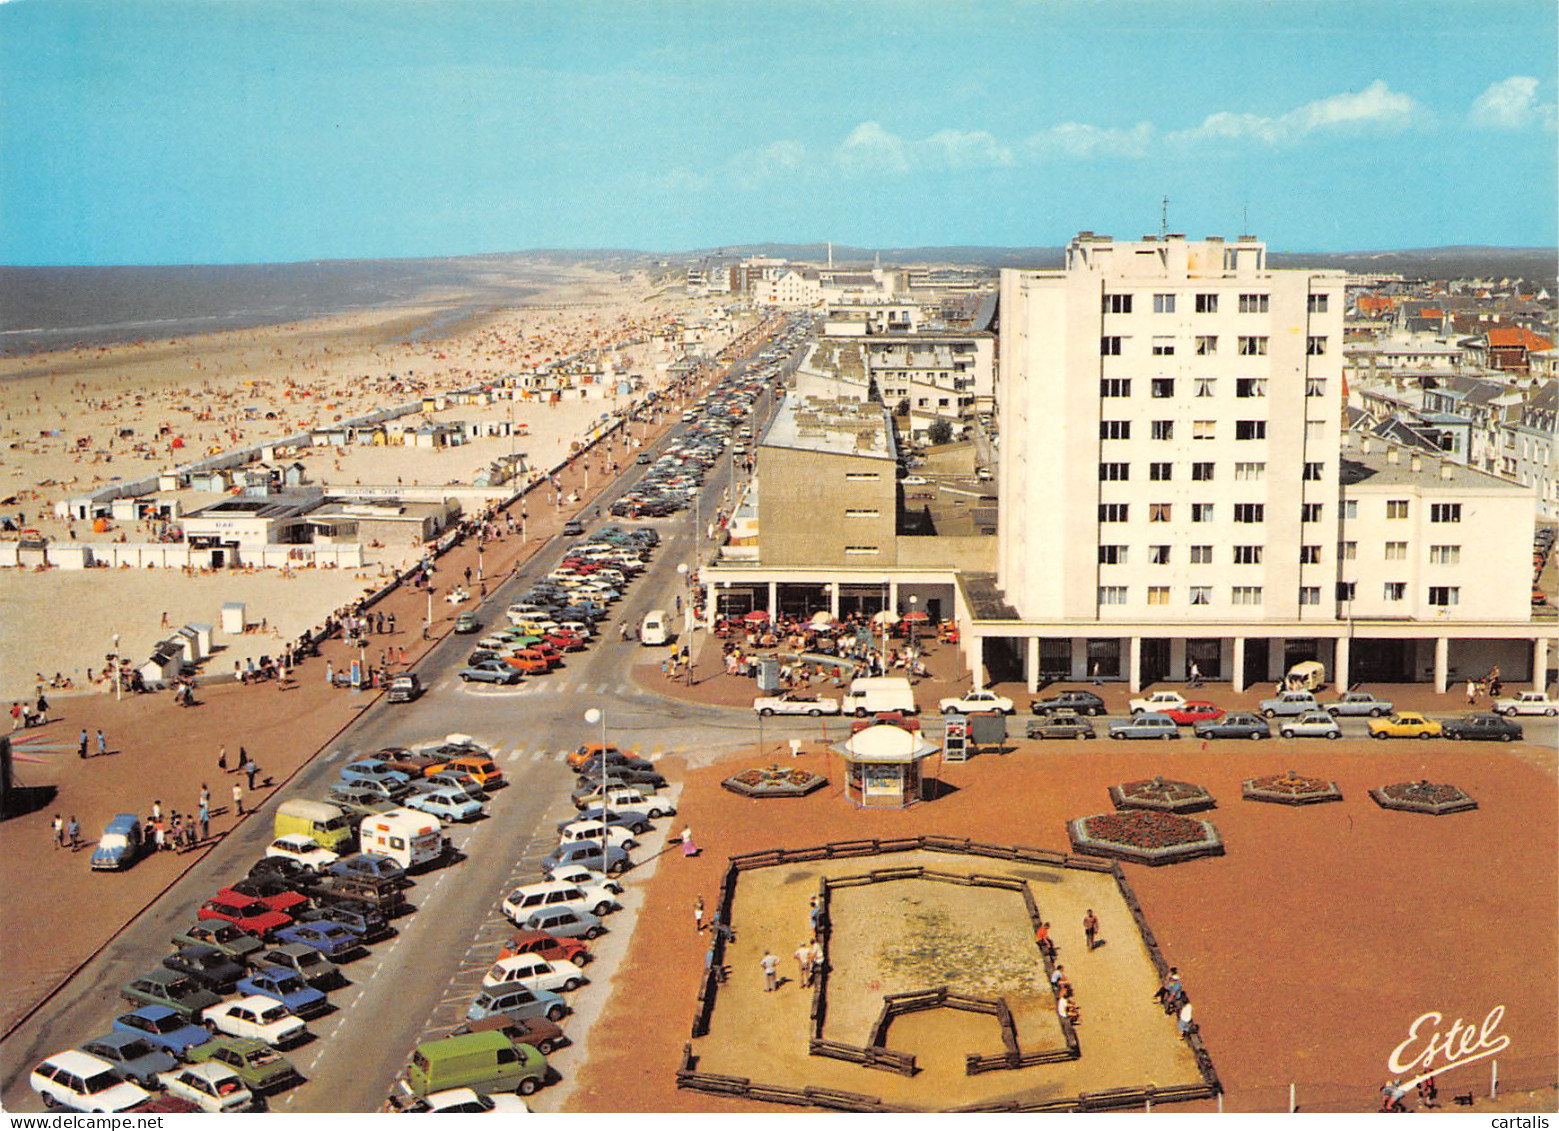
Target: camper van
{"x": 654, "y": 628}
{"x": 1307, "y": 675}
{"x": 869, "y": 695}
{"x": 330, "y": 827}
{"x": 410, "y": 838}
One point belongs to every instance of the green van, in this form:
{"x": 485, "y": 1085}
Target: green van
{"x": 488, "y": 1062}
{"x": 330, "y": 826}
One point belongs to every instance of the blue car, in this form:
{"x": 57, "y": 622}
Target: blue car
{"x": 287, "y": 987}
{"x": 448, "y": 804}
{"x": 330, "y": 939}
{"x": 519, "y": 1001}
{"x": 374, "y": 770}
{"x": 370, "y": 866}
{"x": 122, "y": 844}
{"x": 133, "y": 1056}
{"x": 162, "y": 1027}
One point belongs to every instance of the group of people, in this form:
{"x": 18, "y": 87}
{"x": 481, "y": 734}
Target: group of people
{"x": 1177, "y": 1004}
{"x": 1489, "y": 685}
{"x": 179, "y": 831}
{"x": 24, "y": 715}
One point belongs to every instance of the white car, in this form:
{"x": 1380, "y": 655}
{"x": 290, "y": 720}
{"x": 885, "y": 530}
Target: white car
{"x": 535, "y": 973}
{"x": 1527, "y": 703}
{"x": 795, "y": 703}
{"x": 466, "y": 1101}
{"x": 84, "y": 1082}
{"x": 584, "y": 877}
{"x": 616, "y": 835}
{"x": 553, "y": 895}
{"x": 977, "y": 699}
{"x": 258, "y": 1016}
{"x": 651, "y": 804}
{"x": 211, "y": 1087}
{"x": 1158, "y": 701}
{"x": 914, "y": 481}
{"x": 304, "y": 849}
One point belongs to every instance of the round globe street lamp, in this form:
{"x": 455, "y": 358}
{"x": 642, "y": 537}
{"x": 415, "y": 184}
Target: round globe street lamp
{"x": 597, "y": 715}
{"x": 689, "y": 622}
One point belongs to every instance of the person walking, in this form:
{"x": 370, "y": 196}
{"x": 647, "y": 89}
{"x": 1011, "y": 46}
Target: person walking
{"x": 238, "y": 799}
{"x": 205, "y": 812}
{"x": 1196, "y": 674}
{"x": 804, "y": 962}
{"x": 81, "y": 747}
{"x": 330, "y": 674}
{"x": 698, "y": 914}
{"x": 222, "y": 758}
{"x": 102, "y": 743}
{"x": 1183, "y": 1022}
{"x": 392, "y": 624}
{"x": 770, "y": 967}
{"x": 1091, "y": 928}
{"x": 43, "y": 708}
{"x": 1472, "y": 692}
{"x": 59, "y": 831}
{"x": 250, "y": 769}
{"x": 73, "y": 831}
{"x": 157, "y": 810}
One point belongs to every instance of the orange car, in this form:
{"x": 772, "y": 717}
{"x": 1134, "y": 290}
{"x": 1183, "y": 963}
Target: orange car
{"x": 588, "y": 751}
{"x": 480, "y": 768}
{"x": 529, "y": 661}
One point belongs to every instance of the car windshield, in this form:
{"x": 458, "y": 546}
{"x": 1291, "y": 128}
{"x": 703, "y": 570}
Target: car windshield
{"x": 167, "y": 1024}
{"x": 114, "y": 840}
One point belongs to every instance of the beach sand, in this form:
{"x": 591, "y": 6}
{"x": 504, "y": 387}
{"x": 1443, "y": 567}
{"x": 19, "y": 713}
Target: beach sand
{"x": 64, "y": 414}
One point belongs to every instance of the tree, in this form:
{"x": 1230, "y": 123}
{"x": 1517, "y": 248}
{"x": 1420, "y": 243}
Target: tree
{"x": 940, "y": 432}
{"x": 902, "y": 408}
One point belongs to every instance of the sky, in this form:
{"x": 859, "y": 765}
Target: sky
{"x": 234, "y": 131}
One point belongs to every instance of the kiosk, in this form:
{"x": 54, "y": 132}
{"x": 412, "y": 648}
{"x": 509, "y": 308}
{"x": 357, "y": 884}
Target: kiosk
{"x": 883, "y": 765}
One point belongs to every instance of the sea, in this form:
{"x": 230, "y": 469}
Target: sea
{"x": 51, "y": 308}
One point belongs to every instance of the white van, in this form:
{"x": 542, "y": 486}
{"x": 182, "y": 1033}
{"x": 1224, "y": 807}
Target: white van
{"x": 406, "y": 836}
{"x": 869, "y": 695}
{"x": 654, "y": 628}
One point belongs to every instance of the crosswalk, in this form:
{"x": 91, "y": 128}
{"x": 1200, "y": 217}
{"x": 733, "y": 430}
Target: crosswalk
{"x": 535, "y": 685}
{"x": 654, "y": 754}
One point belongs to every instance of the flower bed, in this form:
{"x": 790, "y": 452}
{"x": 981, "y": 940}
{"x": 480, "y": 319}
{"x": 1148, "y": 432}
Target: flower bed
{"x": 1423, "y": 797}
{"x": 772, "y": 781}
{"x": 1144, "y": 837}
{"x": 1162, "y": 794}
{"x": 1290, "y": 788}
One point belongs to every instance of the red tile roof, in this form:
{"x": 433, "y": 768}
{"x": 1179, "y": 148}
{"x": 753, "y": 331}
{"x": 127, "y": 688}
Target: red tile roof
{"x": 1516, "y": 337}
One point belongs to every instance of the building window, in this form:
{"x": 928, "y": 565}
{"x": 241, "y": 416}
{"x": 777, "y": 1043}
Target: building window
{"x": 1309, "y": 555}
{"x": 1206, "y": 345}
{"x": 1315, "y": 386}
{"x": 1112, "y": 594}
{"x": 1346, "y": 590}
{"x": 1160, "y": 472}
{"x": 1394, "y": 590}
{"x": 1158, "y": 555}
{"x": 1114, "y": 472}
{"x": 1163, "y": 304}
{"x": 1250, "y": 512}
{"x": 1163, "y": 386}
{"x": 1396, "y": 551}
{"x": 1445, "y": 512}
{"x": 1250, "y": 386}
{"x": 1253, "y": 347}
{"x": 862, "y": 513}
{"x": 861, "y": 550}
{"x": 1250, "y": 429}
{"x": 1395, "y": 508}
{"x": 1253, "y": 304}
{"x": 1158, "y": 594}
{"x": 1443, "y": 596}
{"x": 1350, "y": 509}
{"x": 1114, "y": 429}
{"x": 1315, "y": 346}
{"x": 1247, "y": 555}
{"x": 1445, "y": 555}
{"x": 1206, "y": 386}
{"x": 1112, "y": 555}
{"x": 1163, "y": 429}
{"x": 1314, "y": 471}
{"x": 1201, "y": 594}
{"x": 1207, "y": 304}
{"x": 1159, "y": 512}
{"x": 862, "y": 476}
{"x": 1317, "y": 304}
{"x": 1201, "y": 555}
{"x": 1249, "y": 472}
{"x": 1163, "y": 346}
{"x": 1204, "y": 430}
{"x": 1347, "y": 551}
{"x": 1113, "y": 512}
{"x": 1117, "y": 304}
{"x": 1246, "y": 595}
{"x": 1201, "y": 512}
{"x": 1310, "y": 595}
{"x": 1115, "y": 387}
{"x": 1310, "y": 512}
{"x": 1202, "y": 472}
{"x": 1110, "y": 346}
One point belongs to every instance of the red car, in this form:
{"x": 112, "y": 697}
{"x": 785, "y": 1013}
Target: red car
{"x": 244, "y": 912}
{"x": 275, "y": 892}
{"x": 892, "y": 718}
{"x": 1196, "y": 711}
{"x": 565, "y": 640}
{"x": 546, "y": 946}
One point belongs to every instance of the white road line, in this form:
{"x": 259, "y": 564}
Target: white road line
{"x": 514, "y": 755}
{"x": 537, "y": 755}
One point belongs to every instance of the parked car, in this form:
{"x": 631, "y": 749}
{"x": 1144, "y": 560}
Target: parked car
{"x": 304, "y": 849}
{"x": 536, "y": 973}
{"x": 479, "y": 766}
{"x": 1289, "y": 704}
{"x": 1159, "y": 701}
{"x": 317, "y": 970}
{"x": 591, "y": 832}
{"x": 1405, "y": 724}
{"x": 1059, "y": 724}
{"x": 287, "y": 987}
{"x": 206, "y": 966}
{"x": 225, "y": 937}
{"x": 406, "y": 686}
{"x": 1482, "y": 726}
{"x": 162, "y": 1027}
{"x": 213, "y": 1088}
{"x": 1354, "y": 703}
{"x": 468, "y": 1101}
{"x": 331, "y": 939}
{"x": 1148, "y": 725}
{"x": 123, "y": 843}
{"x": 655, "y": 805}
{"x": 491, "y": 671}
{"x": 263, "y": 1018}
{"x": 170, "y": 990}
{"x": 1236, "y": 724}
{"x": 370, "y": 865}
{"x": 1082, "y": 702}
{"x": 588, "y": 854}
{"x": 271, "y": 891}
{"x": 466, "y": 622}
{"x": 446, "y": 804}
{"x": 616, "y": 774}
{"x": 1527, "y": 703}
{"x": 527, "y": 898}
{"x": 377, "y": 771}
{"x": 366, "y": 922}
{"x": 545, "y": 945}
{"x": 260, "y": 1067}
{"x": 454, "y": 779}
{"x": 134, "y": 1058}
{"x": 634, "y": 820}
{"x": 362, "y": 798}
{"x": 795, "y": 703}
{"x": 976, "y": 699}
{"x": 562, "y": 922}
{"x": 83, "y": 1082}
{"x": 1311, "y": 724}
{"x": 1194, "y": 711}
{"x": 519, "y": 1001}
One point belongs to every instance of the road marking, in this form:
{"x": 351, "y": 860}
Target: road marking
{"x": 514, "y": 755}
{"x": 538, "y": 755}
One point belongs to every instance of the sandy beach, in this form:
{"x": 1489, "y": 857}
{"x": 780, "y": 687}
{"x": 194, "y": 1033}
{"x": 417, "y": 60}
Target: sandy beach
{"x": 74, "y": 420}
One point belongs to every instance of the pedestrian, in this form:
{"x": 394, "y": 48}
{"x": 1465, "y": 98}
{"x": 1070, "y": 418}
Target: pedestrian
{"x": 1091, "y": 928}
{"x": 250, "y": 768}
{"x": 16, "y": 716}
{"x": 689, "y": 849}
{"x": 222, "y": 758}
{"x": 330, "y": 675}
{"x": 157, "y": 810}
{"x": 238, "y": 799}
{"x": 1472, "y": 693}
{"x": 698, "y": 913}
{"x": 81, "y": 748}
{"x": 59, "y": 831}
{"x": 770, "y": 966}
{"x": 73, "y": 831}
{"x": 392, "y": 624}
{"x": 1196, "y": 674}
{"x": 1428, "y": 1089}
{"x": 178, "y": 832}
{"x": 159, "y": 836}
{"x": 815, "y": 915}
{"x": 1043, "y": 942}
{"x": 1183, "y": 1023}
{"x": 804, "y": 962}
{"x": 1097, "y": 681}
{"x": 102, "y": 743}
{"x": 43, "y": 708}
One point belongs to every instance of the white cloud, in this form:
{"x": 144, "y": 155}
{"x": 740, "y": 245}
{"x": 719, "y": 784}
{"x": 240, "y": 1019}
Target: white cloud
{"x": 1511, "y": 104}
{"x": 1078, "y": 139}
{"x": 1376, "y": 108}
{"x": 964, "y": 149}
{"x": 871, "y": 148}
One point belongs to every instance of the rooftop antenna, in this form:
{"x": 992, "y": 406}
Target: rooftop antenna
{"x": 1163, "y": 219}
{"x": 830, "y": 254}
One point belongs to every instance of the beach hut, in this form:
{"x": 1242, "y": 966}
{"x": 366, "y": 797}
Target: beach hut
{"x": 165, "y": 664}
{"x": 185, "y": 639}
{"x": 234, "y": 617}
{"x": 205, "y": 637}
{"x": 884, "y": 766}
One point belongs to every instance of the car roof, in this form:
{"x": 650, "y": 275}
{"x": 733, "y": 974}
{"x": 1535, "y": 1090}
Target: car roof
{"x": 78, "y": 1062}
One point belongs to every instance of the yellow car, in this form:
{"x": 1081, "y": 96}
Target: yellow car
{"x": 1405, "y": 724}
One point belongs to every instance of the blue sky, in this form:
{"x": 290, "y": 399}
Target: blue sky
{"x": 239, "y": 131}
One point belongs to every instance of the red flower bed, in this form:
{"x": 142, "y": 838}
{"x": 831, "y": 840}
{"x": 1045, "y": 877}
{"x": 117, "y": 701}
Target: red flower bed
{"x": 1145, "y": 829}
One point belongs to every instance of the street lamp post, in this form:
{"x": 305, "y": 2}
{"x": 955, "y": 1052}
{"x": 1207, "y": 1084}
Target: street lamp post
{"x": 597, "y": 715}
{"x": 118, "y": 683}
